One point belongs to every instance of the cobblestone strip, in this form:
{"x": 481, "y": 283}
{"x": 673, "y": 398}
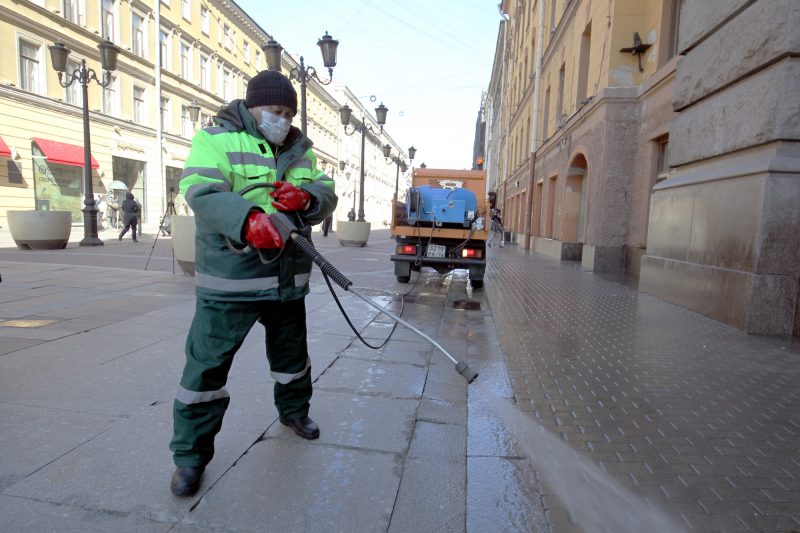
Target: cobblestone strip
{"x": 694, "y": 415}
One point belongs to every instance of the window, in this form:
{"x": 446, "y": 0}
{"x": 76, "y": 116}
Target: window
{"x": 227, "y": 89}
{"x": 187, "y": 128}
{"x": 108, "y": 20}
{"x": 220, "y": 81}
{"x": 662, "y": 153}
{"x": 73, "y": 12}
{"x": 546, "y": 116}
{"x": 246, "y": 52}
{"x": 205, "y": 120}
{"x": 205, "y": 72}
{"x": 258, "y": 60}
{"x": 138, "y": 104}
{"x": 205, "y": 23}
{"x": 165, "y": 114}
{"x": 29, "y": 69}
{"x": 227, "y": 31}
{"x": 137, "y": 34}
{"x": 186, "y": 9}
{"x": 583, "y": 65}
{"x": 110, "y": 99}
{"x": 14, "y": 173}
{"x": 73, "y": 92}
{"x": 164, "y": 49}
{"x": 185, "y": 61}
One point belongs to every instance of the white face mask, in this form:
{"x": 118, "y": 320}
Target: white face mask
{"x": 274, "y": 128}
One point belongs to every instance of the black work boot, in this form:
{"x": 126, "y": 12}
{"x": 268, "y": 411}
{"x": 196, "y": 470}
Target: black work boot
{"x": 186, "y": 480}
{"x": 304, "y": 427}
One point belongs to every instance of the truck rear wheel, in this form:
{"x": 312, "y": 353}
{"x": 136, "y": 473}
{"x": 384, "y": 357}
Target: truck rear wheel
{"x": 404, "y": 279}
{"x": 476, "y": 283}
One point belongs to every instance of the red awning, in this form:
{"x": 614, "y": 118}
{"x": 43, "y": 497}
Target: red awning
{"x": 63, "y": 153}
{"x": 4, "y": 149}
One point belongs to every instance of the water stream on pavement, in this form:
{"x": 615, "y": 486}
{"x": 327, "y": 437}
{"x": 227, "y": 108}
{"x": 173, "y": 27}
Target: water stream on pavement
{"x": 595, "y": 501}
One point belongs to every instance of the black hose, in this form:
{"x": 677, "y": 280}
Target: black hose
{"x": 327, "y": 268}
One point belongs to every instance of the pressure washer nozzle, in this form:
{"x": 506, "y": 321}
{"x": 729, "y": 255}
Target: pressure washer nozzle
{"x": 468, "y": 374}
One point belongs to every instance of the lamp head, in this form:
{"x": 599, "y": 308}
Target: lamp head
{"x": 328, "y": 45}
{"x": 58, "y": 56}
{"x": 412, "y": 152}
{"x": 345, "y": 113}
{"x": 380, "y": 114}
{"x": 387, "y": 150}
{"x": 109, "y": 52}
{"x": 273, "y": 51}
{"x": 194, "y": 111}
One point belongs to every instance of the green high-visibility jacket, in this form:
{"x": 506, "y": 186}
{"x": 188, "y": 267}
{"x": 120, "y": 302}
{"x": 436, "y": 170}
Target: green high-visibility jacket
{"x": 224, "y": 159}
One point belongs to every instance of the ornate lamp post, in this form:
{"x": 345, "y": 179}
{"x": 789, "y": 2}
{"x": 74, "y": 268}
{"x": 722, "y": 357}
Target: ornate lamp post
{"x": 401, "y": 165}
{"x": 108, "y": 59}
{"x": 327, "y": 45}
{"x": 345, "y": 114}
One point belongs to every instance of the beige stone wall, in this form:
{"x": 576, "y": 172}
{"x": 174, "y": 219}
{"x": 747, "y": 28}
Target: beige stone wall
{"x": 724, "y": 228}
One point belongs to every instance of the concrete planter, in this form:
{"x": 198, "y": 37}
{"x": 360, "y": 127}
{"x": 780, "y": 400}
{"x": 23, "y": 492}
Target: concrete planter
{"x": 40, "y": 230}
{"x": 183, "y": 242}
{"x": 352, "y": 233}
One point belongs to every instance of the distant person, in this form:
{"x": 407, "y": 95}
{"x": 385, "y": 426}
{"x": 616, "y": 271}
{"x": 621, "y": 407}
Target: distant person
{"x": 326, "y": 225}
{"x": 130, "y": 215}
{"x": 112, "y": 204}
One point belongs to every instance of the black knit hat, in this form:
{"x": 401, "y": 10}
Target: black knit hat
{"x": 270, "y": 87}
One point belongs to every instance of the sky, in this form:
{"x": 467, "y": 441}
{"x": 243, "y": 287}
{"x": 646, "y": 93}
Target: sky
{"x": 428, "y": 61}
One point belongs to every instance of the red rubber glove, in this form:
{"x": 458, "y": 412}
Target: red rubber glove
{"x": 260, "y": 232}
{"x": 289, "y": 198}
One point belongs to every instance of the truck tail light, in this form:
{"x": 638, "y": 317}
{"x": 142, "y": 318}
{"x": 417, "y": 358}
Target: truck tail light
{"x": 407, "y": 249}
{"x": 472, "y": 252}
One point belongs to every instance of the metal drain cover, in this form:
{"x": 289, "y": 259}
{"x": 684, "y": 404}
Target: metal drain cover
{"x": 469, "y": 305}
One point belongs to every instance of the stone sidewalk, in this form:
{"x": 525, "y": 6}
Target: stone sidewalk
{"x": 90, "y": 360}
{"x": 696, "y": 417}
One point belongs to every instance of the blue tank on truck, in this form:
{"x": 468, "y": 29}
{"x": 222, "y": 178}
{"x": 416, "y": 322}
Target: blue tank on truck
{"x": 436, "y": 206}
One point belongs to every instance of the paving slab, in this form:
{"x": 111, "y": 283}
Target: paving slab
{"x": 350, "y": 420}
{"x": 391, "y": 379}
{"x": 22, "y": 514}
{"x": 332, "y": 489}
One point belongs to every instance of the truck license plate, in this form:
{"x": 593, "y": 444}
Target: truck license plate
{"x": 435, "y": 250}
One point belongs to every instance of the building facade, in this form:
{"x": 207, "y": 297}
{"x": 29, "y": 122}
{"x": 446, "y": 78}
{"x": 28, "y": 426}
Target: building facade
{"x": 612, "y": 142}
{"x": 174, "y": 54}
{"x": 585, "y": 125}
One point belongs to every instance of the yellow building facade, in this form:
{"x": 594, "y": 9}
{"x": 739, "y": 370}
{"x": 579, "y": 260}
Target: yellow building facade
{"x": 174, "y": 53}
{"x": 578, "y": 125}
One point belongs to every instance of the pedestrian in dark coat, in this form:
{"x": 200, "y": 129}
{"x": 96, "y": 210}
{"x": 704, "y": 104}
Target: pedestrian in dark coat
{"x": 130, "y": 215}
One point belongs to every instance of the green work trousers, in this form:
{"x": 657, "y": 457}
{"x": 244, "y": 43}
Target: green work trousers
{"x": 217, "y": 332}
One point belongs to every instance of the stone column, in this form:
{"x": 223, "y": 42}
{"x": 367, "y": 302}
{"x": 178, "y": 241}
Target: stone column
{"x": 724, "y": 228}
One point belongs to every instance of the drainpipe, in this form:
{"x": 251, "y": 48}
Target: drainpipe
{"x": 159, "y": 131}
{"x": 537, "y": 89}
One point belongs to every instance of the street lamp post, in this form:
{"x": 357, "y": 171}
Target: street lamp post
{"x": 401, "y": 165}
{"x": 83, "y": 75}
{"x": 345, "y": 114}
{"x": 327, "y": 45}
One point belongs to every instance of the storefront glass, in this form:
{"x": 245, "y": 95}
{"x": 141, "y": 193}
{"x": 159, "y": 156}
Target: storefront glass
{"x": 57, "y": 187}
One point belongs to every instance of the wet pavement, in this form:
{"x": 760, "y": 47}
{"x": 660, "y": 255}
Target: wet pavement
{"x": 696, "y": 417}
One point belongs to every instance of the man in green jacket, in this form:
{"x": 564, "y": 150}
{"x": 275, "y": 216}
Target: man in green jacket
{"x": 251, "y": 142}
